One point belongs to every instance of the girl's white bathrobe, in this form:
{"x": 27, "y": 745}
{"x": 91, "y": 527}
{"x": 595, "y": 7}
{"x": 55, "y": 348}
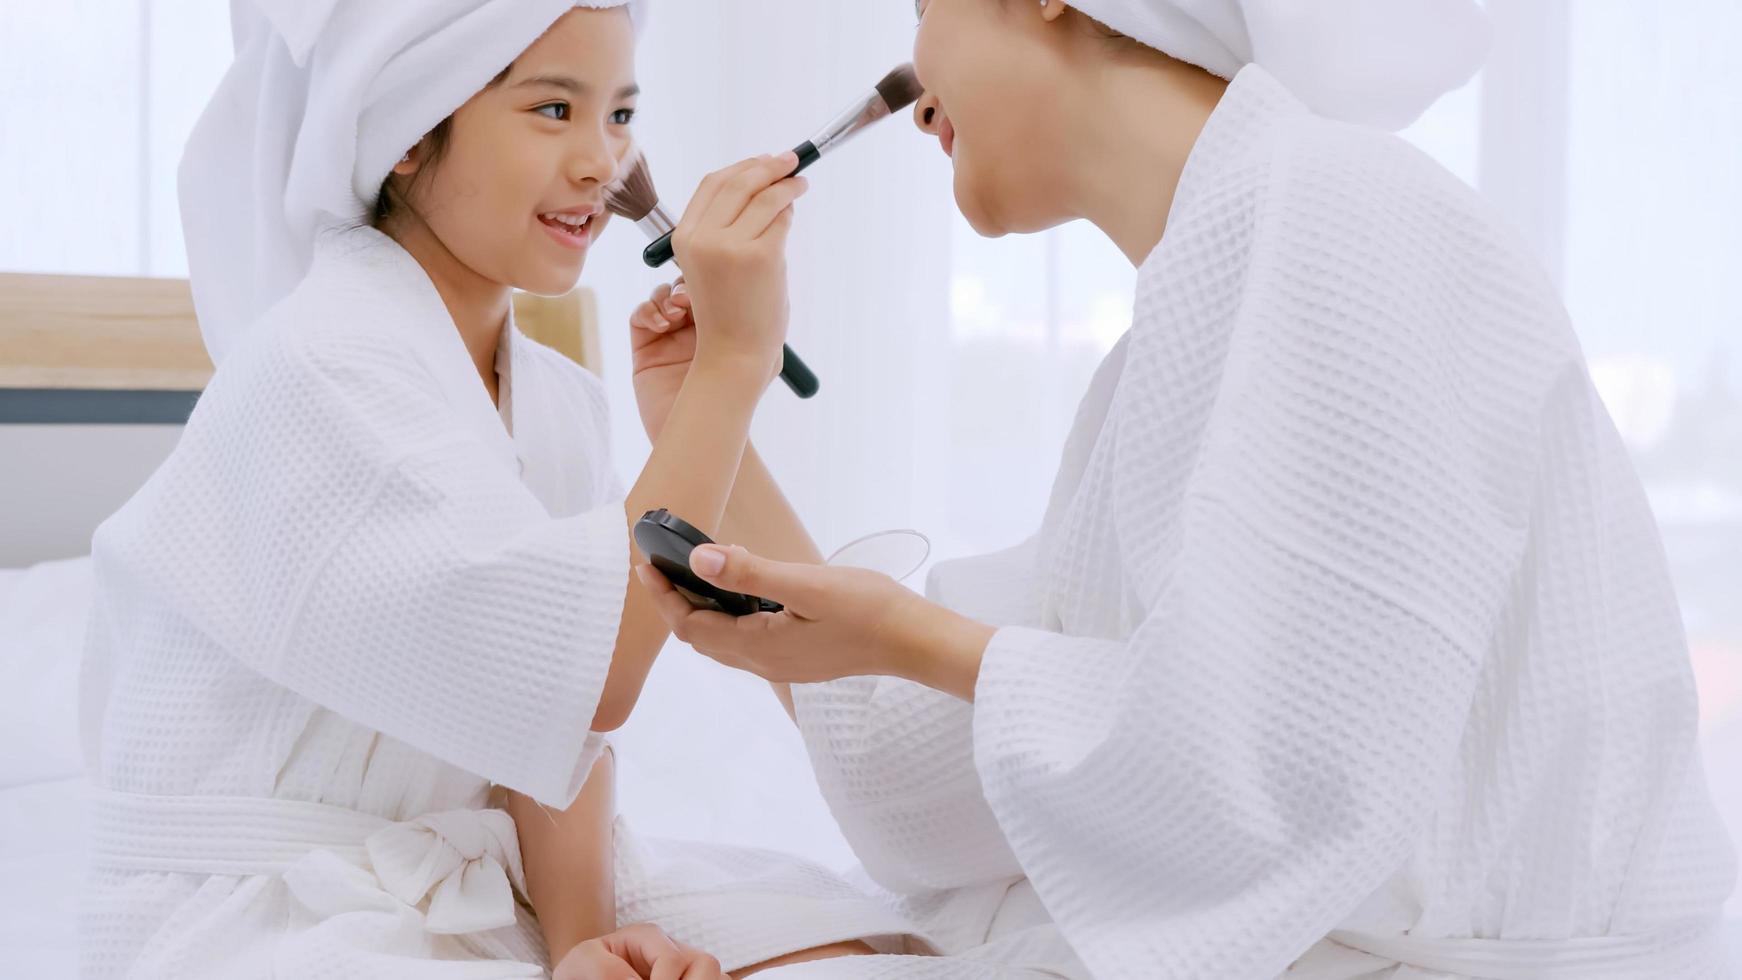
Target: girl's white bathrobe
{"x": 350, "y": 602}
{"x": 1347, "y": 641}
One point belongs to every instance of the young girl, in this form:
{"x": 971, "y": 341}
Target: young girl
{"x": 1346, "y": 647}
{"x": 386, "y": 566}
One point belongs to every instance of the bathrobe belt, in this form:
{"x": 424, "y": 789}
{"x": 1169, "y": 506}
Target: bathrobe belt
{"x": 1584, "y": 958}
{"x": 458, "y": 870}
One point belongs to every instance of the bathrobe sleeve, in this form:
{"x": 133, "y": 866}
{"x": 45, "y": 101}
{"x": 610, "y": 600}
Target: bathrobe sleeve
{"x": 1214, "y": 793}
{"x": 353, "y": 538}
{"x": 895, "y": 759}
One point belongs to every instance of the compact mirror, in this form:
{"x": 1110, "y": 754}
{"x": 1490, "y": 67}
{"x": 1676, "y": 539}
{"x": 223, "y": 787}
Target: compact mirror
{"x": 897, "y": 554}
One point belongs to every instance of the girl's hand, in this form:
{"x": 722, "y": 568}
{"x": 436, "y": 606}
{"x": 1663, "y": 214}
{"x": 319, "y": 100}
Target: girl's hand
{"x": 732, "y": 243}
{"x": 838, "y": 622}
{"x": 640, "y": 952}
{"x": 662, "y": 334}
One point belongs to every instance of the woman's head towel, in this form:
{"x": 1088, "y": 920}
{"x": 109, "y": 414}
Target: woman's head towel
{"x": 1380, "y": 62}
{"x": 323, "y": 98}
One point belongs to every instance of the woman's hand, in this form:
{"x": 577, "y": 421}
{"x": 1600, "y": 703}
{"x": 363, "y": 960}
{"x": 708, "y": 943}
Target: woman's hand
{"x": 662, "y": 335}
{"x": 640, "y": 952}
{"x": 732, "y": 243}
{"x": 838, "y": 622}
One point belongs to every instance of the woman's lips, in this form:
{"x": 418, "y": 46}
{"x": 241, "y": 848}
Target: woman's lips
{"x": 947, "y": 136}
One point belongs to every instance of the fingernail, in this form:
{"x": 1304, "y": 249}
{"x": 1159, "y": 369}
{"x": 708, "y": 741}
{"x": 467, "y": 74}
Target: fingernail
{"x": 641, "y": 572}
{"x": 707, "y": 560}
{"x": 679, "y": 288}
{"x": 672, "y": 312}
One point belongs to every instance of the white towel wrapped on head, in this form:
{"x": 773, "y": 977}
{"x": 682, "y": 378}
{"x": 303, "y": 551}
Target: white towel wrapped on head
{"x": 1379, "y": 62}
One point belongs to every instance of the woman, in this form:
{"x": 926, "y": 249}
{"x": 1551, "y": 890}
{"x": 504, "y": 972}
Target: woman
{"x": 1346, "y": 647}
{"x": 386, "y": 566}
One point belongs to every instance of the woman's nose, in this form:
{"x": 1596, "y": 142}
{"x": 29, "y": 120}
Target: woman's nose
{"x": 928, "y": 113}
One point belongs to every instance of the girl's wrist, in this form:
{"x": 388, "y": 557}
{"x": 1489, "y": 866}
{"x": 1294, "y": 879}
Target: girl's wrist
{"x": 720, "y": 391}
{"x": 748, "y": 371}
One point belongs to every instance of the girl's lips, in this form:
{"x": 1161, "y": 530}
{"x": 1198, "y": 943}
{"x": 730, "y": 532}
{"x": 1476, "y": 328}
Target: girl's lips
{"x": 579, "y": 240}
{"x": 947, "y": 136}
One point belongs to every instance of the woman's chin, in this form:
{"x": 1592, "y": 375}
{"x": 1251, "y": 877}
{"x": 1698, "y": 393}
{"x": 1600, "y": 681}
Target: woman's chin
{"x": 978, "y": 216}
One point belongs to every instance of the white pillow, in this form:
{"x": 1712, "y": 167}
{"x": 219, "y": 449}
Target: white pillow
{"x": 42, "y": 637}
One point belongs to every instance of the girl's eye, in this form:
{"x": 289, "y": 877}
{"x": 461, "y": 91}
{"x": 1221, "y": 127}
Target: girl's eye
{"x": 623, "y": 117}
{"x": 557, "y": 110}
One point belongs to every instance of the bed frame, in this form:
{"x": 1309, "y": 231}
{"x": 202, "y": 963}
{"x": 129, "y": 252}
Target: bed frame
{"x": 83, "y": 350}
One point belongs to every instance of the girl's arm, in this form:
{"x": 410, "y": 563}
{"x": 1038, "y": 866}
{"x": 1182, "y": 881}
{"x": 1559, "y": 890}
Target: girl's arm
{"x": 571, "y": 882}
{"x": 690, "y": 472}
{"x": 570, "y": 879}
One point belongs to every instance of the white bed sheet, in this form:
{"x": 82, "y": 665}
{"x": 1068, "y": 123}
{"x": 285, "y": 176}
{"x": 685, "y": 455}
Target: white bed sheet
{"x": 42, "y": 632}
{"x": 42, "y": 785}
{"x": 42, "y": 866}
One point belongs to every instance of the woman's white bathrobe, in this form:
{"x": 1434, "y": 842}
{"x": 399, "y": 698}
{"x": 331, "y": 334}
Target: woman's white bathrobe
{"x": 348, "y": 603}
{"x": 1347, "y": 638}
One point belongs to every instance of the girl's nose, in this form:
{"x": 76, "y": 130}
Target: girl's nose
{"x": 593, "y": 161}
{"x": 928, "y": 114}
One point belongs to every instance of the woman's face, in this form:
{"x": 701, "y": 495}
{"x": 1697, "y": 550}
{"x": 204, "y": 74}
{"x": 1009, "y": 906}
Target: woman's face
{"x": 995, "y": 72}
{"x": 517, "y": 195}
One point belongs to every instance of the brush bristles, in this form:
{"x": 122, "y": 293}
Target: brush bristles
{"x": 632, "y": 195}
{"x": 900, "y": 88}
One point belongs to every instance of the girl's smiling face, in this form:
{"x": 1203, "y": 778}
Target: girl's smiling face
{"x": 514, "y": 190}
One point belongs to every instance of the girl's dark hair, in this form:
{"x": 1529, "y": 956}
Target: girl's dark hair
{"x": 435, "y": 146}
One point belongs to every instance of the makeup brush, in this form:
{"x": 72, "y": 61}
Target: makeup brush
{"x": 898, "y": 90}
{"x": 633, "y": 195}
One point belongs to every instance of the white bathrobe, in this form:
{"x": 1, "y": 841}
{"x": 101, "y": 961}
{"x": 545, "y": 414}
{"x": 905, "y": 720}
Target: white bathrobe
{"x": 1347, "y": 641}
{"x": 347, "y": 604}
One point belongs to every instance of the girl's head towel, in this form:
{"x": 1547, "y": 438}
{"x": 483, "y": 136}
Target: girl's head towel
{"x": 323, "y": 98}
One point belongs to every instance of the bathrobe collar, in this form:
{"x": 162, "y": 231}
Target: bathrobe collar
{"x": 397, "y": 296}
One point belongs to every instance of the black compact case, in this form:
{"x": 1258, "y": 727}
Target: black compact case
{"x": 667, "y": 541}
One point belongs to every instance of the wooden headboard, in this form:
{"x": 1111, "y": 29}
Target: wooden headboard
{"x": 105, "y": 350}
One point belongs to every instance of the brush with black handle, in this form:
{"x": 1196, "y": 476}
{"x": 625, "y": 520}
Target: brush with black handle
{"x": 898, "y": 90}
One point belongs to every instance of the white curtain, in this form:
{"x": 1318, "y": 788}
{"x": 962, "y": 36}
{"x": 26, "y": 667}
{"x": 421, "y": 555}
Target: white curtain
{"x": 1609, "y": 130}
